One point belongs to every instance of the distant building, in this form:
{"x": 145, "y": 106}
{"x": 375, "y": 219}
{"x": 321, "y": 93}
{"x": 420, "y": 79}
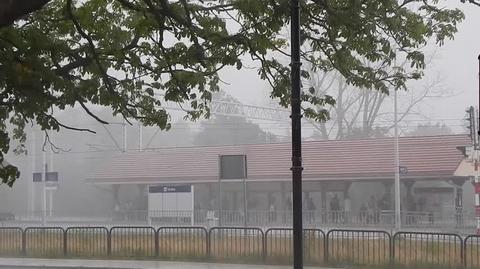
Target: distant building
{"x": 434, "y": 174}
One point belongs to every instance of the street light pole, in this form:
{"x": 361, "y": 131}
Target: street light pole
{"x": 44, "y": 187}
{"x": 296, "y": 117}
{"x": 34, "y": 167}
{"x": 398, "y": 216}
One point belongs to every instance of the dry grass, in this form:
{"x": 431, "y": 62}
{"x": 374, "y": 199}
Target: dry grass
{"x": 10, "y": 242}
{"x": 279, "y": 249}
{"x": 359, "y": 252}
{"x": 472, "y": 256}
{"x": 172, "y": 246}
{"x": 236, "y": 247}
{"x": 233, "y": 247}
{"x": 414, "y": 252}
{"x": 133, "y": 245}
{"x": 86, "y": 244}
{"x": 44, "y": 243}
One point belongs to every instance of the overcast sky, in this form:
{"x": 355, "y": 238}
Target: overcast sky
{"x": 458, "y": 65}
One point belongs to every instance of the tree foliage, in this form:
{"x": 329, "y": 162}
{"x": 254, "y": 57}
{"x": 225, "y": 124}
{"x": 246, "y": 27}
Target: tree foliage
{"x": 132, "y": 55}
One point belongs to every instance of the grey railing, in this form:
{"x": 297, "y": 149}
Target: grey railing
{"x": 343, "y": 247}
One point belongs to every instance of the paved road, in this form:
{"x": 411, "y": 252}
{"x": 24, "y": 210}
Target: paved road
{"x": 26, "y": 263}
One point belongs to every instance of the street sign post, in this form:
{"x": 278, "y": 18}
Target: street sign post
{"x": 50, "y": 184}
{"x": 163, "y": 200}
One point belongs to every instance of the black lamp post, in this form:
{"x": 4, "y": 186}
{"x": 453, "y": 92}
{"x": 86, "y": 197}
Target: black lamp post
{"x": 296, "y": 135}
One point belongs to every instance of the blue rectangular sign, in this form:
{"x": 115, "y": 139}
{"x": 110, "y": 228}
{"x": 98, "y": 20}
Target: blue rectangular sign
{"x": 37, "y": 177}
{"x": 170, "y": 188}
{"x": 52, "y": 177}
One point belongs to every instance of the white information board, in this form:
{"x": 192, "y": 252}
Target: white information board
{"x": 172, "y": 201}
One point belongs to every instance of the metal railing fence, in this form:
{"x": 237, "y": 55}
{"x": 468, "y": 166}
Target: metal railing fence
{"x": 471, "y": 249}
{"x": 279, "y": 243}
{"x": 434, "y": 249}
{"x": 236, "y": 242}
{"x": 178, "y": 242}
{"x": 274, "y": 245}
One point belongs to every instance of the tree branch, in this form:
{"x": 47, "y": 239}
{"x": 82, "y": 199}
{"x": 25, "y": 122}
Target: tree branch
{"x": 102, "y": 70}
{"x": 474, "y": 2}
{"x": 11, "y": 10}
{"x": 90, "y": 112}
{"x": 54, "y": 148}
{"x": 68, "y": 127}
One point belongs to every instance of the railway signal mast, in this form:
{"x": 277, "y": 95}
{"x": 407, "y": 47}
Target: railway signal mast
{"x": 473, "y": 156}
{"x": 474, "y": 135}
{"x": 473, "y": 152}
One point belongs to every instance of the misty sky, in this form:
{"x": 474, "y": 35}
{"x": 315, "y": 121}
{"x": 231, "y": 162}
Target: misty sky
{"x": 455, "y": 64}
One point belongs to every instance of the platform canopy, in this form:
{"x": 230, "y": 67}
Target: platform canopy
{"x": 421, "y": 158}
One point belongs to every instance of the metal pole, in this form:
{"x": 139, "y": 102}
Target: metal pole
{"x": 219, "y": 202}
{"x": 296, "y": 136}
{"x": 50, "y": 192}
{"x": 32, "y": 184}
{"x": 44, "y": 191}
{"x": 245, "y": 206}
{"x": 192, "y": 216}
{"x": 140, "y": 137}
{"x": 50, "y": 202}
{"x": 398, "y": 216}
{"x": 219, "y": 194}
{"x": 124, "y": 136}
{"x": 149, "y": 214}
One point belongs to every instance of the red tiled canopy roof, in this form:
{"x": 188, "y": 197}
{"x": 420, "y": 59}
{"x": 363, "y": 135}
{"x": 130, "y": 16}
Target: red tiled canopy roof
{"x": 427, "y": 157}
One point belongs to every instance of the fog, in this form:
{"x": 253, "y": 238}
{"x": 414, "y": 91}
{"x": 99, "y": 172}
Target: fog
{"x": 451, "y": 79}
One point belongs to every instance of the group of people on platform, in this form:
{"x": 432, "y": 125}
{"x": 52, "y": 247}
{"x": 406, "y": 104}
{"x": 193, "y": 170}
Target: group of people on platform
{"x": 374, "y": 211}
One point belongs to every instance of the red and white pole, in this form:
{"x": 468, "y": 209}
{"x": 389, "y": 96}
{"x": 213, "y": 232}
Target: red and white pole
{"x": 476, "y": 183}
{"x": 475, "y": 150}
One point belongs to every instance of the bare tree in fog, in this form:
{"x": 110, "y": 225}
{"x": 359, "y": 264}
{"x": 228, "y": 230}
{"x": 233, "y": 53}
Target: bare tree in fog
{"x": 362, "y": 113}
